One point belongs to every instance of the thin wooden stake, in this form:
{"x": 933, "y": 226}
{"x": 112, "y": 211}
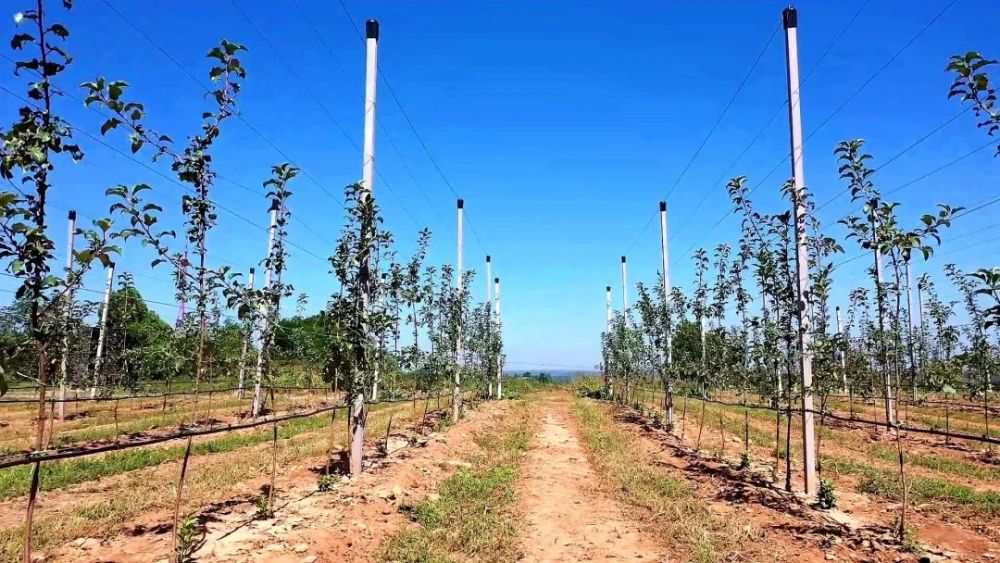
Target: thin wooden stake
{"x": 333, "y": 432}
{"x": 29, "y": 518}
{"x": 64, "y": 360}
{"x": 388, "y": 431}
{"x": 52, "y": 421}
{"x": 274, "y": 470}
{"x": 177, "y": 500}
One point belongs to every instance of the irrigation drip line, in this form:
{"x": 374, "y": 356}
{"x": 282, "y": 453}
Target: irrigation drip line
{"x": 798, "y": 410}
{"x": 916, "y": 402}
{"x": 152, "y": 395}
{"x": 33, "y": 457}
{"x": 48, "y": 455}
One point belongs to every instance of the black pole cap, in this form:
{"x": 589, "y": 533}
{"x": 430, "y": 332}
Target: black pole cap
{"x": 72, "y": 215}
{"x": 371, "y": 29}
{"x": 252, "y": 270}
{"x": 461, "y": 203}
{"x": 663, "y": 206}
{"x": 623, "y": 259}
{"x": 496, "y": 280}
{"x": 607, "y": 288}
{"x": 488, "y": 259}
{"x": 790, "y": 17}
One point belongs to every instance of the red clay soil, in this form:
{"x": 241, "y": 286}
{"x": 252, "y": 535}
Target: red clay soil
{"x": 566, "y": 516}
{"x": 347, "y": 524}
{"x": 857, "y": 530}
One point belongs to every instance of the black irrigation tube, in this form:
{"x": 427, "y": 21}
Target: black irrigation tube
{"x": 155, "y": 395}
{"x": 799, "y": 410}
{"x": 39, "y": 457}
{"x": 913, "y": 402}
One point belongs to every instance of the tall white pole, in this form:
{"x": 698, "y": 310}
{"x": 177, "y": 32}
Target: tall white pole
{"x": 843, "y": 353}
{"x": 665, "y": 254}
{"x": 64, "y": 361}
{"x": 103, "y": 328}
{"x": 358, "y": 413}
{"x": 790, "y": 18}
{"x": 371, "y": 81}
{"x": 456, "y": 392}
{"x": 489, "y": 279}
{"x": 265, "y": 316}
{"x": 246, "y": 341}
{"x": 496, "y": 293}
{"x": 668, "y": 333}
{"x": 607, "y": 335}
{"x": 489, "y": 314}
{"x": 624, "y": 287}
{"x": 608, "y": 308}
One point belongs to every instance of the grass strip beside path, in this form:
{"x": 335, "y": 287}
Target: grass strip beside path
{"x": 472, "y": 517}
{"x": 683, "y": 519}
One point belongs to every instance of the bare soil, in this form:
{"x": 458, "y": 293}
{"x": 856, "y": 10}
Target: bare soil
{"x": 349, "y": 523}
{"x": 566, "y": 515}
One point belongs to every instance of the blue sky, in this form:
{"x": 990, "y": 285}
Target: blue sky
{"x": 562, "y": 124}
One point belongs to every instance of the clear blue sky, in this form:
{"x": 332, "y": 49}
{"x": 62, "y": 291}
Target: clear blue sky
{"x": 561, "y": 123}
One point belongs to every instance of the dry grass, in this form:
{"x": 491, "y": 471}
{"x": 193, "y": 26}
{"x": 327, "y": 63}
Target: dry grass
{"x": 681, "y": 518}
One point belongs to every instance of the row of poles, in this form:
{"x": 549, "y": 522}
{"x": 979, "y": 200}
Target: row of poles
{"x": 790, "y": 24}
{"x": 357, "y": 408}
{"x": 368, "y": 182}
{"x": 102, "y": 324}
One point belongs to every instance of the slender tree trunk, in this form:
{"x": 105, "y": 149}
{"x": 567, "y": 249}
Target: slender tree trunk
{"x": 788, "y": 419}
{"x": 684, "y": 416}
{"x": 902, "y": 482}
{"x": 356, "y": 421}
{"x": 36, "y": 469}
{"x": 701, "y": 424}
{"x": 177, "y": 498}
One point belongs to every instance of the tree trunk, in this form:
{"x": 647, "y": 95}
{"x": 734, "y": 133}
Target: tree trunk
{"x": 701, "y": 424}
{"x": 456, "y": 395}
{"x": 356, "y": 420}
{"x": 902, "y": 482}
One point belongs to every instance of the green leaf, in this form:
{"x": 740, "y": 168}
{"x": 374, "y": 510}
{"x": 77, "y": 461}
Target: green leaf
{"x": 110, "y": 124}
{"x": 60, "y": 30}
{"x": 19, "y": 40}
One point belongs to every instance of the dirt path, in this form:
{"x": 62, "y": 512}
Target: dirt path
{"x": 566, "y": 516}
